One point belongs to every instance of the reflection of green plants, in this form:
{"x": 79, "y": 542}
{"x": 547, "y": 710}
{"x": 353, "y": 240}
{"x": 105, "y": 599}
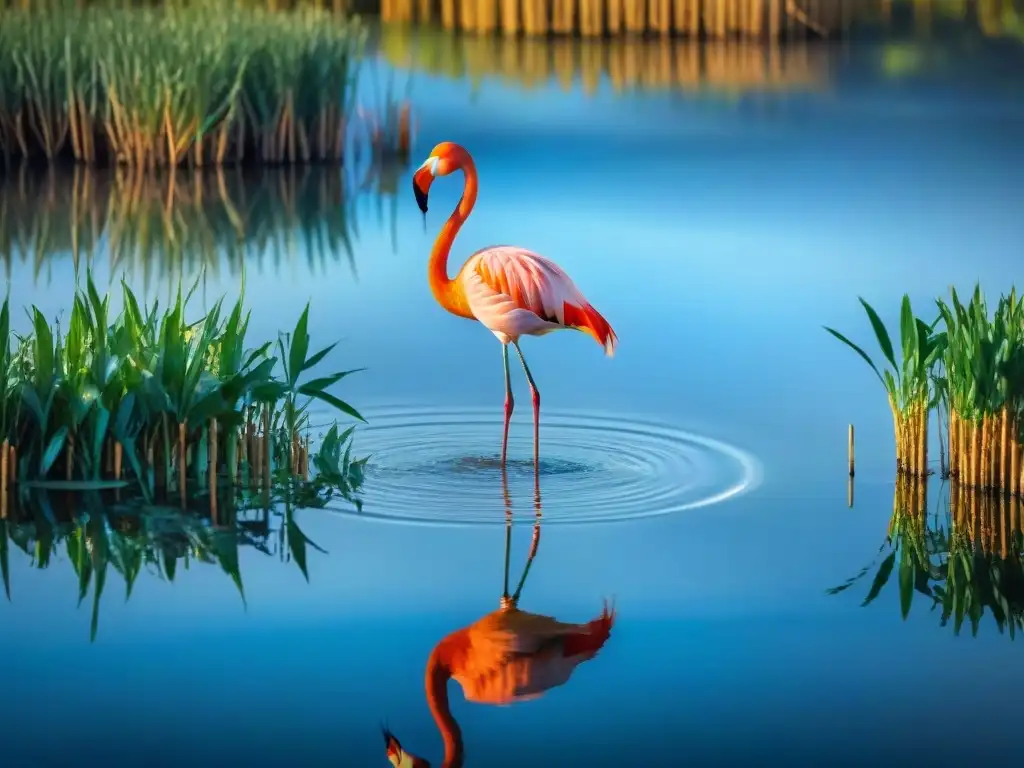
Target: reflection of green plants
{"x": 907, "y": 385}
{"x": 97, "y": 535}
{"x": 967, "y": 563}
{"x": 183, "y": 404}
{"x": 159, "y": 228}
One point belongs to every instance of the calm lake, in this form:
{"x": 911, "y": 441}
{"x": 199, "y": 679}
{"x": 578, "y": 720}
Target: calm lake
{"x": 718, "y": 213}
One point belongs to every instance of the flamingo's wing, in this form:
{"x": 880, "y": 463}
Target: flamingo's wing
{"x": 515, "y": 278}
{"x": 507, "y": 281}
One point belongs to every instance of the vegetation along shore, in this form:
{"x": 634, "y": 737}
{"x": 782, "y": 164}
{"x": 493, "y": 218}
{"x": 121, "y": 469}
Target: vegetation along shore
{"x": 163, "y": 407}
{"x": 204, "y": 82}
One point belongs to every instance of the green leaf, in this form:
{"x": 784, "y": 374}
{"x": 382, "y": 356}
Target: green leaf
{"x": 323, "y": 383}
{"x": 856, "y": 349}
{"x": 908, "y": 333}
{"x": 318, "y": 357}
{"x": 880, "y": 332}
{"x": 331, "y": 400}
{"x": 297, "y": 544}
{"x": 299, "y": 348}
{"x": 884, "y": 571}
{"x": 53, "y": 449}
{"x": 906, "y": 585}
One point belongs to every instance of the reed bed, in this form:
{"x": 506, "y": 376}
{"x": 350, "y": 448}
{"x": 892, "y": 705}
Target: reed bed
{"x": 199, "y": 83}
{"x": 625, "y": 64}
{"x": 98, "y": 533}
{"x": 966, "y": 559}
{"x": 161, "y": 227}
{"x": 153, "y": 403}
{"x": 970, "y": 375}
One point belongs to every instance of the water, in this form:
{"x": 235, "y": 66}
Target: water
{"x": 717, "y": 231}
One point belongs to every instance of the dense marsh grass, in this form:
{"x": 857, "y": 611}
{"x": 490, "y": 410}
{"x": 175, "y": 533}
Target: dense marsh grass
{"x": 166, "y": 405}
{"x": 964, "y": 560}
{"x": 97, "y": 534}
{"x": 204, "y": 82}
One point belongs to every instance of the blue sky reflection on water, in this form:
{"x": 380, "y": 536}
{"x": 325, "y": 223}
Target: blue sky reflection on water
{"x": 717, "y": 238}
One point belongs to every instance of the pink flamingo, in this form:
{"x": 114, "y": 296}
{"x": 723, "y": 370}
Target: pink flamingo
{"x": 509, "y": 655}
{"x": 511, "y": 291}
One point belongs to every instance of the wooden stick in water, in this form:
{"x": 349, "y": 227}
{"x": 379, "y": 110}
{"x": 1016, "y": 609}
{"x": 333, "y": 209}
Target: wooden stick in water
{"x": 118, "y": 457}
{"x": 850, "y": 451}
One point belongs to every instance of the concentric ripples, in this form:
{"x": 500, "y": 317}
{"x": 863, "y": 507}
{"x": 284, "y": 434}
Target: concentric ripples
{"x": 440, "y": 466}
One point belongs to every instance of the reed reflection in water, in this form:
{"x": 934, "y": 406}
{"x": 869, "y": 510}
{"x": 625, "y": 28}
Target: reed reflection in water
{"x": 508, "y": 655}
{"x": 164, "y": 227}
{"x": 966, "y": 559}
{"x": 627, "y": 64}
{"x": 97, "y": 533}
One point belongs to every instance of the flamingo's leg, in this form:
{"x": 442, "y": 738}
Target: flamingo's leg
{"x": 536, "y": 408}
{"x": 509, "y": 404}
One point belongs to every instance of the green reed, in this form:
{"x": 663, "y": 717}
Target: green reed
{"x": 982, "y": 383}
{"x": 175, "y": 406}
{"x": 203, "y": 82}
{"x": 965, "y": 562}
{"x": 907, "y": 384}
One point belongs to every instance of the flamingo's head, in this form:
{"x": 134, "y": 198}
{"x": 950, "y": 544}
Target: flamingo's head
{"x": 445, "y": 158}
{"x": 397, "y": 756}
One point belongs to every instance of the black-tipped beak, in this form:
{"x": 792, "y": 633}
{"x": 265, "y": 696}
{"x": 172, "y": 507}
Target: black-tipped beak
{"x": 421, "y": 195}
{"x": 421, "y": 181}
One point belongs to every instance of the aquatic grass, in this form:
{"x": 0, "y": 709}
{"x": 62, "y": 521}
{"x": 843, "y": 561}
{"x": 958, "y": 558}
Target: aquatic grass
{"x": 153, "y": 398}
{"x": 161, "y": 226}
{"x": 982, "y": 385}
{"x": 202, "y": 82}
{"x": 908, "y": 385}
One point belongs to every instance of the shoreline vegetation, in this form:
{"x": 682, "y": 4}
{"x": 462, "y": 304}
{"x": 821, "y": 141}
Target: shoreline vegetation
{"x": 152, "y": 404}
{"x": 971, "y": 375}
{"x": 964, "y": 560}
{"x": 207, "y": 82}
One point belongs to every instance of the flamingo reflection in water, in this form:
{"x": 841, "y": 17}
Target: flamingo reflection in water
{"x": 507, "y": 656}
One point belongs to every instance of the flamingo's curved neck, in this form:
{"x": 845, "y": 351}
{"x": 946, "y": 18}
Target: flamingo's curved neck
{"x": 448, "y": 292}
{"x": 438, "y": 674}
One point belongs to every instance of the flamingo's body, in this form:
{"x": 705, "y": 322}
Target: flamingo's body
{"x": 511, "y": 291}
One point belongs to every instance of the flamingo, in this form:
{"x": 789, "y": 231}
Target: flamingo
{"x": 508, "y": 655}
{"x": 511, "y": 291}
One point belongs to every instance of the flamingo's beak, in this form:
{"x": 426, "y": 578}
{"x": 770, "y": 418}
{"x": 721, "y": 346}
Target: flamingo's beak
{"x": 394, "y": 749}
{"x": 421, "y": 181}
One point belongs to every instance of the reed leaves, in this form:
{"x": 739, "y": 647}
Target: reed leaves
{"x": 203, "y": 82}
